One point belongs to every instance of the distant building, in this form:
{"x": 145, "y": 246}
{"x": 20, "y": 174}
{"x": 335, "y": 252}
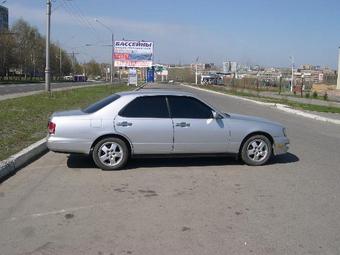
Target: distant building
{"x": 3, "y": 18}
{"x": 307, "y": 67}
{"x": 209, "y": 66}
{"x": 229, "y": 67}
{"x": 270, "y": 74}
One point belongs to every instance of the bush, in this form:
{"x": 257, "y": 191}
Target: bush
{"x": 315, "y": 94}
{"x": 307, "y": 95}
{"x": 325, "y": 96}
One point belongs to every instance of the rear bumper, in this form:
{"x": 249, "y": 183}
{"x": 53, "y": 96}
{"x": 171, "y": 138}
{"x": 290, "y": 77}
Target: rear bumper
{"x": 281, "y": 145}
{"x": 68, "y": 145}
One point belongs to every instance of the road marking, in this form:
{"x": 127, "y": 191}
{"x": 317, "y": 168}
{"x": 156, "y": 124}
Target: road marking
{"x": 281, "y": 107}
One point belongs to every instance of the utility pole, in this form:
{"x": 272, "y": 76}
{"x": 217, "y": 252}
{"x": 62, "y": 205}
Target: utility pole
{"x": 280, "y": 84}
{"x": 292, "y": 81}
{"x": 196, "y": 79}
{"x": 112, "y": 43}
{"x": 48, "y": 35}
{"x": 60, "y": 61}
{"x": 73, "y": 59}
{"x": 338, "y": 81}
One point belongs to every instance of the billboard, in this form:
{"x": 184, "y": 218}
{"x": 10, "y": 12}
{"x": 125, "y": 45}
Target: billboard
{"x": 133, "y": 54}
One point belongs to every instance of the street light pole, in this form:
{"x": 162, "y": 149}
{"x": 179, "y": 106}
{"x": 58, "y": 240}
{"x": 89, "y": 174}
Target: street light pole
{"x": 112, "y": 43}
{"x": 112, "y": 55}
{"x": 48, "y": 34}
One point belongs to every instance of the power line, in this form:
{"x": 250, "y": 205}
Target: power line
{"x": 71, "y": 13}
{"x": 76, "y": 6}
{"x": 77, "y": 15}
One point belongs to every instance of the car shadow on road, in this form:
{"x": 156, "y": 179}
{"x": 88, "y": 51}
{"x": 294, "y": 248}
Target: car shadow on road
{"x": 284, "y": 159}
{"x": 77, "y": 161}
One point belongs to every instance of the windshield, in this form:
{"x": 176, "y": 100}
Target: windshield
{"x": 100, "y": 104}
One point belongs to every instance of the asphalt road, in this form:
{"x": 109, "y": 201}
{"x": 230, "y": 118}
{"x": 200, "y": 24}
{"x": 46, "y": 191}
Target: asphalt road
{"x": 62, "y": 204}
{"x": 29, "y": 87}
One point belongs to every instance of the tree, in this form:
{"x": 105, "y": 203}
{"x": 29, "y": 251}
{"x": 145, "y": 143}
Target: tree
{"x": 7, "y": 56}
{"x": 24, "y": 49}
{"x": 93, "y": 68}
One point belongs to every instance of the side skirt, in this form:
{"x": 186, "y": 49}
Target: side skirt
{"x": 185, "y": 155}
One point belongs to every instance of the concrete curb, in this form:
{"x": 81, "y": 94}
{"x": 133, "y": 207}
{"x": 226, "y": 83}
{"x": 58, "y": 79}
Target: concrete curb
{"x": 22, "y": 158}
{"x": 281, "y": 107}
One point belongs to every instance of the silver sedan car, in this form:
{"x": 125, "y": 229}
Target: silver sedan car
{"x": 162, "y": 123}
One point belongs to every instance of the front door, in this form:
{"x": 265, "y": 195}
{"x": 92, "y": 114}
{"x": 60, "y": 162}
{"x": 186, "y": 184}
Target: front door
{"x": 195, "y": 129}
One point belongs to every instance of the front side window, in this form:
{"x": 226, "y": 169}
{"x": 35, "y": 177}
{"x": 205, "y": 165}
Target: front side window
{"x": 188, "y": 108}
{"x": 146, "y": 107}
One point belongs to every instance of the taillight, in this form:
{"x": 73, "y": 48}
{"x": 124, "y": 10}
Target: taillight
{"x": 51, "y": 127}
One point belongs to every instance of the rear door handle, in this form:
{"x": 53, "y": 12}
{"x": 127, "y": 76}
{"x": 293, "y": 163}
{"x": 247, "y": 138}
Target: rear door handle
{"x": 124, "y": 124}
{"x": 182, "y": 124}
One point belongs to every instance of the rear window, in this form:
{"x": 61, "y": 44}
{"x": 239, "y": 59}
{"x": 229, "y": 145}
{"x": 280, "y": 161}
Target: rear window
{"x": 101, "y": 104}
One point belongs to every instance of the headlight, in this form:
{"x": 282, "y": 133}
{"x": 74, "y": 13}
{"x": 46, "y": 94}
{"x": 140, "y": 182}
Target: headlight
{"x": 284, "y": 131}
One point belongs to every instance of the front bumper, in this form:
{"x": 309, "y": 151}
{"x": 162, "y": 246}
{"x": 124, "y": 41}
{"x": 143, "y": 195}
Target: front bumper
{"x": 281, "y": 145}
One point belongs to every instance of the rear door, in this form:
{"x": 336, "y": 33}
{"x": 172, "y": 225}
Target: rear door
{"x": 195, "y": 129}
{"x": 146, "y": 122}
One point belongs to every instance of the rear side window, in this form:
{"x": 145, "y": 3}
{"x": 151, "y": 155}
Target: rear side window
{"x": 101, "y": 104}
{"x": 188, "y": 108}
{"x": 146, "y": 107}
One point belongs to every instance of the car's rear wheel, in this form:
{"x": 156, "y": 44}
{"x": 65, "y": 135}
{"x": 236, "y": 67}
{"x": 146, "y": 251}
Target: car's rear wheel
{"x": 110, "y": 154}
{"x": 256, "y": 150}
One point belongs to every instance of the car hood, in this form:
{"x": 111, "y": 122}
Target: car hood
{"x": 251, "y": 118}
{"x": 69, "y": 113}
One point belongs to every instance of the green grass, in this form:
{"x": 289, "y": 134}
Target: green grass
{"x": 307, "y": 107}
{"x": 23, "y": 120}
{"x": 293, "y": 104}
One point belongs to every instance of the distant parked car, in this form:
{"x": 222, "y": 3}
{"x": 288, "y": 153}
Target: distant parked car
{"x": 68, "y": 78}
{"x": 163, "y": 123}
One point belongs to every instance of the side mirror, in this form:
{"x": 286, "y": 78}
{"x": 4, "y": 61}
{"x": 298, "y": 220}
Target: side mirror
{"x": 217, "y": 116}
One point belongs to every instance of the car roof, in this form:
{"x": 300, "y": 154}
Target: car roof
{"x": 155, "y": 92}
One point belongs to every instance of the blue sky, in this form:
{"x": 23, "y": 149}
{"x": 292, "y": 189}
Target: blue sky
{"x": 264, "y": 32}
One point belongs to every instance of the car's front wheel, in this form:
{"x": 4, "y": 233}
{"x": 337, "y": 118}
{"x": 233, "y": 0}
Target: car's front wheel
{"x": 256, "y": 150}
{"x": 110, "y": 154}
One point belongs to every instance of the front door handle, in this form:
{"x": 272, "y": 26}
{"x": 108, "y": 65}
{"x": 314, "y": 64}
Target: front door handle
{"x": 124, "y": 124}
{"x": 182, "y": 124}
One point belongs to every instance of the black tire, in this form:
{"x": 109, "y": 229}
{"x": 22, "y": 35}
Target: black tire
{"x": 261, "y": 155}
{"x": 110, "y": 159}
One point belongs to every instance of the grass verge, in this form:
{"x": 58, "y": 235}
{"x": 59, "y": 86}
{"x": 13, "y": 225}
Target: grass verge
{"x": 23, "y": 120}
{"x": 293, "y": 104}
